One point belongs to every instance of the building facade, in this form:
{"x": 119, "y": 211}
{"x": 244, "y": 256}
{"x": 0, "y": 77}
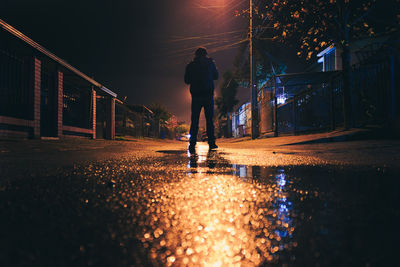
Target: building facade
{"x": 42, "y": 96}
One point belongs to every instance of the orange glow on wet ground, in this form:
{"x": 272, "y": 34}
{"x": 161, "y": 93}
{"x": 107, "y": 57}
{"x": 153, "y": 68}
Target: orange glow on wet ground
{"x": 215, "y": 219}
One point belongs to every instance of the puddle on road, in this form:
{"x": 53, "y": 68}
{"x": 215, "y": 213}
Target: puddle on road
{"x": 215, "y": 218}
{"x": 223, "y": 214}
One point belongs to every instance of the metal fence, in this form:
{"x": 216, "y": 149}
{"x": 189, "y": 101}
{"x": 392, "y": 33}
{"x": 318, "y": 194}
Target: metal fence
{"x": 77, "y": 105}
{"x": 372, "y": 92}
{"x": 296, "y": 103}
{"x": 306, "y": 102}
{"x": 133, "y": 123}
{"x": 15, "y": 84}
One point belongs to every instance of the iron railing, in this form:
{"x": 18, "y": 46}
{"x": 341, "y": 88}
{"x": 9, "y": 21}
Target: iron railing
{"x": 295, "y": 103}
{"x": 133, "y": 123}
{"x": 372, "y": 93}
{"x": 77, "y": 105}
{"x": 16, "y": 82}
{"x": 307, "y": 102}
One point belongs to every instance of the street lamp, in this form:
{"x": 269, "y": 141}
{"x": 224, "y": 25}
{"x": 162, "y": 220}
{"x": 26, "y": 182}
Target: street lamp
{"x": 253, "y": 82}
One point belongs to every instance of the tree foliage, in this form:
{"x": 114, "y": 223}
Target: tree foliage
{"x": 267, "y": 64}
{"x": 315, "y": 24}
{"x": 227, "y": 101}
{"x": 160, "y": 112}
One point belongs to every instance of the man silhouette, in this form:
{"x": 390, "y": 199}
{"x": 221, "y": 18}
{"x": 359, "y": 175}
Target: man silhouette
{"x": 200, "y": 75}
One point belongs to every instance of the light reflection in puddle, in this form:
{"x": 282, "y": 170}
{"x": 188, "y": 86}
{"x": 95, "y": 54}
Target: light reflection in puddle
{"x": 220, "y": 219}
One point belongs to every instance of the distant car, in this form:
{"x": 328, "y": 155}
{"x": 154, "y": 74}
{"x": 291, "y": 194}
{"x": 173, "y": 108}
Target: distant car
{"x": 184, "y": 137}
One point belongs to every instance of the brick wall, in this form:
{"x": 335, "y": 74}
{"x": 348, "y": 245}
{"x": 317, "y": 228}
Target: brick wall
{"x": 36, "y": 97}
{"x": 10, "y": 134}
{"x": 8, "y": 123}
{"x": 60, "y": 104}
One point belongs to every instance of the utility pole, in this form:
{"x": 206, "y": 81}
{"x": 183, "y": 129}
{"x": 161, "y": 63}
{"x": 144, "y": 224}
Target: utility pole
{"x": 253, "y": 84}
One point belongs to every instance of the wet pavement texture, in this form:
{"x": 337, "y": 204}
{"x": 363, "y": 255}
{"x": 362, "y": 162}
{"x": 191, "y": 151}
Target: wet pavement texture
{"x": 177, "y": 209}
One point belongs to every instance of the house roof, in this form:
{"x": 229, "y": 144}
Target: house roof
{"x": 46, "y": 52}
{"x": 325, "y": 51}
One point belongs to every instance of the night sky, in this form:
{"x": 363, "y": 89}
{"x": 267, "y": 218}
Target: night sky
{"x": 135, "y": 48}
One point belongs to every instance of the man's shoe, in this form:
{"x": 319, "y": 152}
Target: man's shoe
{"x": 192, "y": 148}
{"x": 212, "y": 146}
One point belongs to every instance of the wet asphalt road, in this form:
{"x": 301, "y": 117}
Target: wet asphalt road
{"x": 174, "y": 209}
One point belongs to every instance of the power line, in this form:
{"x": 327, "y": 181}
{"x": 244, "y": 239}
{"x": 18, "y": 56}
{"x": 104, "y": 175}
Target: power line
{"x": 207, "y": 36}
{"x": 203, "y": 44}
{"x": 226, "y": 47}
{"x": 211, "y": 50}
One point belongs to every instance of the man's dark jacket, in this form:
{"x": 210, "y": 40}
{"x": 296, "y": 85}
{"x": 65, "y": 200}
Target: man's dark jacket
{"x": 200, "y": 74}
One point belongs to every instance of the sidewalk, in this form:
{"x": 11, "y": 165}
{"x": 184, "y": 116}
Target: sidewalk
{"x": 356, "y": 147}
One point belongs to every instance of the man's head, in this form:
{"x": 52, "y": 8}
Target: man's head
{"x": 201, "y": 52}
